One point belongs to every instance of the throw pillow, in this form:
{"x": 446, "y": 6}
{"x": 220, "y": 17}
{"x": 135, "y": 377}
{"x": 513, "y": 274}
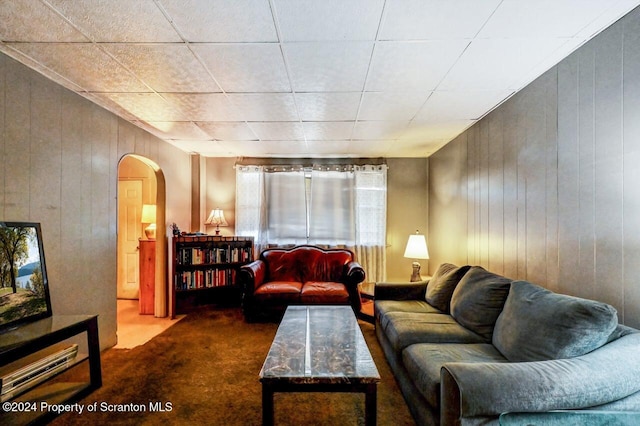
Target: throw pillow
{"x": 537, "y": 324}
{"x": 442, "y": 284}
{"x": 478, "y": 300}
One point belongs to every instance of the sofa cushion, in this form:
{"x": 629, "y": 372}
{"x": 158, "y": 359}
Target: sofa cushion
{"x": 424, "y": 361}
{"x": 314, "y": 292}
{"x": 537, "y": 324}
{"x": 383, "y": 307}
{"x": 287, "y": 291}
{"x": 442, "y": 284}
{"x": 404, "y": 329}
{"x": 478, "y": 300}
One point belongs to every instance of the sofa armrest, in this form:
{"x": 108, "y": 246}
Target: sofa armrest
{"x": 354, "y": 273}
{"x": 252, "y": 276}
{"x": 488, "y": 389}
{"x": 401, "y": 291}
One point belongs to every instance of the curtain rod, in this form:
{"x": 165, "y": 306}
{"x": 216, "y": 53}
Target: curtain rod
{"x": 309, "y": 162}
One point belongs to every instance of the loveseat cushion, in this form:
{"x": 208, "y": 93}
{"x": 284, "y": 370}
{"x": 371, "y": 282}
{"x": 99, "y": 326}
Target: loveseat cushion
{"x": 537, "y": 324}
{"x": 314, "y": 292}
{"x": 424, "y": 361}
{"x": 288, "y": 291}
{"x": 478, "y": 299}
{"x": 405, "y": 329}
{"x": 442, "y": 285}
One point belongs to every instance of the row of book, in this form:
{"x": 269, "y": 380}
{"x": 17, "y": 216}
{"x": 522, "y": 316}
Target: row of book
{"x": 208, "y": 255}
{"x": 208, "y": 278}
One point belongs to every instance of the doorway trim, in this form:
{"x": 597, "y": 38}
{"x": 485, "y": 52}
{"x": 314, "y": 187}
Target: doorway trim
{"x": 161, "y": 289}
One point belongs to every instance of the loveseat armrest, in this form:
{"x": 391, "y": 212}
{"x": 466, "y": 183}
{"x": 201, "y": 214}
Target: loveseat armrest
{"x": 488, "y": 389}
{"x": 401, "y": 291}
{"x": 354, "y": 273}
{"x": 252, "y": 275}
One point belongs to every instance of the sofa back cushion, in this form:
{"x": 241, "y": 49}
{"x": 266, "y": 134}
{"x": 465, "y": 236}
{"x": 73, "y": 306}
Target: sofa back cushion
{"x": 478, "y": 300}
{"x": 306, "y": 263}
{"x": 537, "y": 324}
{"x": 442, "y": 284}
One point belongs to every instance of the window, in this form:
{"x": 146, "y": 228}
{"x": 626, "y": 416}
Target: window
{"x": 327, "y": 206}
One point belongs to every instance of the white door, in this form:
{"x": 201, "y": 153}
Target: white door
{"x": 129, "y": 232}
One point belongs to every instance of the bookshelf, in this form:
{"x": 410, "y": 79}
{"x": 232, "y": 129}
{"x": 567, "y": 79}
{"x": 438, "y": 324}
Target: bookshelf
{"x": 204, "y": 269}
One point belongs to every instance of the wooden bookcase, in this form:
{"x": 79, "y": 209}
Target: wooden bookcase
{"x": 204, "y": 269}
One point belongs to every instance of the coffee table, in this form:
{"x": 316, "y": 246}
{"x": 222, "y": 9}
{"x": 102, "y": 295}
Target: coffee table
{"x": 319, "y": 349}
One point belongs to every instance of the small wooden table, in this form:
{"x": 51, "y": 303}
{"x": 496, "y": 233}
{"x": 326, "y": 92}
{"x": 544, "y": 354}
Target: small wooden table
{"x": 319, "y": 349}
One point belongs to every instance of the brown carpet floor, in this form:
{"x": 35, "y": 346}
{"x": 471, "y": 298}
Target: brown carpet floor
{"x": 206, "y": 367}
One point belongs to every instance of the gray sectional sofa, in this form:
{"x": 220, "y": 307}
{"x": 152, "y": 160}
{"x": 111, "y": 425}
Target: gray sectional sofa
{"x": 468, "y": 345}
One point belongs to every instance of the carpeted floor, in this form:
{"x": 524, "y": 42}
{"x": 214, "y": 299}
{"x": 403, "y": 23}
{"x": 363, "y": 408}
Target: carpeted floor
{"x": 204, "y": 371}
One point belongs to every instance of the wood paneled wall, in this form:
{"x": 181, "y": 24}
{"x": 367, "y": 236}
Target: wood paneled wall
{"x": 59, "y": 166}
{"x": 547, "y": 187}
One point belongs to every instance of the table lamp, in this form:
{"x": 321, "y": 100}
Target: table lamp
{"x": 416, "y": 249}
{"x": 216, "y": 217}
{"x": 149, "y": 216}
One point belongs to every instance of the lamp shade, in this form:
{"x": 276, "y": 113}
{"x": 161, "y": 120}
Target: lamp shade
{"x": 216, "y": 217}
{"x": 416, "y": 247}
{"x": 148, "y": 213}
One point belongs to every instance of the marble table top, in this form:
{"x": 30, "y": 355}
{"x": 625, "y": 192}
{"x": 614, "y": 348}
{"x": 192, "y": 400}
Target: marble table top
{"x": 319, "y": 345}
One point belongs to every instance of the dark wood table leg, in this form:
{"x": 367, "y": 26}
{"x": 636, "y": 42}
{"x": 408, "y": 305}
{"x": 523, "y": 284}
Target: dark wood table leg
{"x": 371, "y": 405}
{"x": 267, "y": 405}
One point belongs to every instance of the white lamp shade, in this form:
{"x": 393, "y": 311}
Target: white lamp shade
{"x": 416, "y": 247}
{"x": 148, "y": 213}
{"x": 216, "y": 217}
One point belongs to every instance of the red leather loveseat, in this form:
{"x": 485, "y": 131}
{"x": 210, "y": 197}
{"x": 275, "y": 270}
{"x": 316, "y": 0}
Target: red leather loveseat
{"x": 302, "y": 275}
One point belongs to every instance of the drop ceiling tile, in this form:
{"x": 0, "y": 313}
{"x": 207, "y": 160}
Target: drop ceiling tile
{"x": 402, "y": 65}
{"x": 328, "y": 66}
{"x": 477, "y": 69}
{"x": 412, "y": 148}
{"x": 328, "y": 130}
{"x": 147, "y": 106}
{"x": 378, "y": 130}
{"x": 206, "y": 148}
{"x": 391, "y": 105}
{"x": 312, "y": 20}
{"x": 164, "y": 67}
{"x": 31, "y": 21}
{"x": 462, "y": 104}
{"x": 426, "y": 131}
{"x": 179, "y": 130}
{"x": 328, "y": 106}
{"x": 230, "y": 130}
{"x": 118, "y": 20}
{"x": 203, "y": 106}
{"x": 373, "y": 148}
{"x": 246, "y": 67}
{"x": 278, "y": 130}
{"x": 265, "y": 106}
{"x": 222, "y": 20}
{"x": 273, "y": 149}
{"x": 84, "y": 64}
{"x": 615, "y": 11}
{"x": 339, "y": 148}
{"x": 435, "y": 19}
{"x": 542, "y": 18}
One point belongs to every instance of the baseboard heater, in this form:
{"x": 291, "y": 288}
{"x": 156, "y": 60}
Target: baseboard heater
{"x": 24, "y": 378}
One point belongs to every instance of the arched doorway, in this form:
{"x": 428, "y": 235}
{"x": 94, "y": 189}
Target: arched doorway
{"x": 140, "y": 181}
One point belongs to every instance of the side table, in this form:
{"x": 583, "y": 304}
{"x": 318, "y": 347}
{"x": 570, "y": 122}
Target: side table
{"x": 367, "y": 296}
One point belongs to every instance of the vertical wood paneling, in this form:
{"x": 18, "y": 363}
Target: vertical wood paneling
{"x": 608, "y": 166}
{"x": 562, "y": 176}
{"x": 568, "y": 174}
{"x": 60, "y": 155}
{"x": 631, "y": 171}
{"x": 586, "y": 153}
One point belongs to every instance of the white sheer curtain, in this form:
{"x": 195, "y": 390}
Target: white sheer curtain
{"x": 286, "y": 207}
{"x": 331, "y": 211}
{"x": 371, "y": 220}
{"x": 344, "y": 207}
{"x": 251, "y": 215}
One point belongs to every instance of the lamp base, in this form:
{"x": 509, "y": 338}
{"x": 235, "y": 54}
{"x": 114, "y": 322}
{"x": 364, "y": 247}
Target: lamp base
{"x": 415, "y": 276}
{"x": 150, "y": 231}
